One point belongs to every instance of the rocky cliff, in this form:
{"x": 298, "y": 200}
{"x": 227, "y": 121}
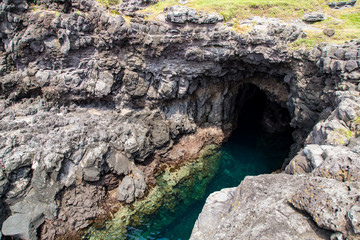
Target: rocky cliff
{"x": 92, "y": 102}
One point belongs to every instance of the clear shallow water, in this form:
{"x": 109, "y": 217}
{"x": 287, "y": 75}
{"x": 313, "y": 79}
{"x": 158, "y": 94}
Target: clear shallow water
{"x": 250, "y": 151}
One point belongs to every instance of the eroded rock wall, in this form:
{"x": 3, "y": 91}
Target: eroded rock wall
{"x": 317, "y": 195}
{"x": 89, "y": 99}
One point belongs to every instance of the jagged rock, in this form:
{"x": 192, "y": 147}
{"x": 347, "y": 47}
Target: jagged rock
{"x": 313, "y": 17}
{"x": 132, "y": 187}
{"x": 216, "y": 205}
{"x": 299, "y": 164}
{"x": 340, "y": 163}
{"x": 338, "y": 5}
{"x": 135, "y": 85}
{"x": 119, "y": 162}
{"x": 353, "y": 215}
{"x": 258, "y": 209}
{"x": 313, "y": 153}
{"x": 182, "y": 14}
{"x": 332, "y": 132}
{"x": 330, "y": 208}
{"x": 23, "y": 225}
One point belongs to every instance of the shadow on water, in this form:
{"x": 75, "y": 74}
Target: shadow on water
{"x": 251, "y": 150}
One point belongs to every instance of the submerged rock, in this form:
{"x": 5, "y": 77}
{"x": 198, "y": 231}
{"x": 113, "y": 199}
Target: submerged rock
{"x": 176, "y": 189}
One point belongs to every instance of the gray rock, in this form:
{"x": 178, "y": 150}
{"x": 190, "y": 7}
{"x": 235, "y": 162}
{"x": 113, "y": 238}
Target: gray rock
{"x": 340, "y": 163}
{"x": 104, "y": 84}
{"x": 329, "y": 209}
{"x": 313, "y": 17}
{"x": 135, "y": 85}
{"x": 351, "y": 65}
{"x": 313, "y": 153}
{"x": 131, "y": 187}
{"x": 299, "y": 164}
{"x": 126, "y": 190}
{"x": 91, "y": 174}
{"x": 257, "y": 210}
{"x": 338, "y": 5}
{"x": 182, "y": 14}
{"x": 332, "y": 132}
{"x": 119, "y": 162}
{"x": 216, "y": 206}
{"x": 24, "y": 225}
{"x": 329, "y": 32}
{"x": 353, "y": 216}
{"x": 336, "y": 236}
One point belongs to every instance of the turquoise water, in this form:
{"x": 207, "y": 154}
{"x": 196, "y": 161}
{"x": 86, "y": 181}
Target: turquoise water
{"x": 250, "y": 151}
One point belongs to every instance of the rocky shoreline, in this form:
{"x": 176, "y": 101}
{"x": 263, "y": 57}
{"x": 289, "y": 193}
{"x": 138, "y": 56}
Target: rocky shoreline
{"x": 91, "y": 103}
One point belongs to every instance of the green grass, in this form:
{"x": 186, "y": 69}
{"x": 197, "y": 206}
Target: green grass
{"x": 246, "y": 8}
{"x": 345, "y": 22}
{"x": 108, "y": 3}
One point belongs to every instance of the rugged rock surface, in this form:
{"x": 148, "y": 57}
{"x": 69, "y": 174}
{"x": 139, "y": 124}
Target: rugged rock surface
{"x": 338, "y": 5}
{"x": 317, "y": 196}
{"x": 88, "y": 101}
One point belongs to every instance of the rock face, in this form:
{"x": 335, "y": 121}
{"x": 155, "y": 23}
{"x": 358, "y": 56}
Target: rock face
{"x": 257, "y": 209}
{"x": 316, "y": 197}
{"x": 90, "y": 102}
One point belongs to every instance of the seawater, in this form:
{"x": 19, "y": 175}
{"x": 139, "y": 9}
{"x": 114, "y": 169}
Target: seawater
{"x": 176, "y": 204}
{"x": 250, "y": 151}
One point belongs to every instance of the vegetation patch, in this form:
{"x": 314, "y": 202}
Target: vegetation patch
{"x": 109, "y": 3}
{"x": 345, "y": 21}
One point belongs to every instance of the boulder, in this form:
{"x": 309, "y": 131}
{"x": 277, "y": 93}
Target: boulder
{"x": 329, "y": 32}
{"x": 256, "y": 209}
{"x": 132, "y": 186}
{"x": 313, "y": 17}
{"x": 23, "y": 226}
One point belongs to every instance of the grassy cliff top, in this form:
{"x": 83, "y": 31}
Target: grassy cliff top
{"x": 345, "y": 21}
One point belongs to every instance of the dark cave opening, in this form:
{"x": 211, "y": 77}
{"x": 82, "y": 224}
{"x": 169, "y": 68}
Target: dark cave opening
{"x": 259, "y": 145}
{"x": 253, "y": 106}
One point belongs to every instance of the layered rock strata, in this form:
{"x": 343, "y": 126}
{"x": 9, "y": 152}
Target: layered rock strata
{"x": 91, "y": 103}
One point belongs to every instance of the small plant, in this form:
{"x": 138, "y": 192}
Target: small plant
{"x": 108, "y": 3}
{"x": 114, "y": 12}
{"x": 357, "y": 120}
{"x": 348, "y": 134}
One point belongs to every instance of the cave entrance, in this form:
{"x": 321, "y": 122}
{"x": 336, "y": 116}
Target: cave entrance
{"x": 262, "y": 138}
{"x": 258, "y": 145}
